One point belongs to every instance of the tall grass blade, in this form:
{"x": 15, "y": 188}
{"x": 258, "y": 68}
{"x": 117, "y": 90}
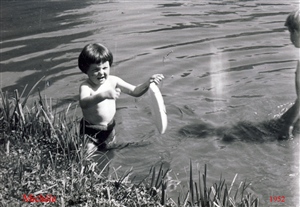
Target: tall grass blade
{"x": 153, "y": 177}
{"x": 197, "y": 194}
{"x": 204, "y": 185}
{"x": 191, "y": 183}
{"x": 7, "y": 147}
{"x": 163, "y": 192}
{"x": 158, "y": 176}
{"x": 48, "y": 119}
{"x": 186, "y": 199}
{"x": 178, "y": 200}
{"x": 6, "y": 107}
{"x": 23, "y": 91}
{"x": 232, "y": 183}
{"x": 200, "y": 189}
{"x": 19, "y": 107}
{"x": 225, "y": 197}
{"x": 33, "y": 87}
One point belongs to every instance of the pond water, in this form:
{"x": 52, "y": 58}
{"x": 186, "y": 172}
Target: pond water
{"x": 225, "y": 62}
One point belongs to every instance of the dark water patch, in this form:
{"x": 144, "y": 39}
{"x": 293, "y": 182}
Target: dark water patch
{"x": 265, "y": 53}
{"x": 142, "y": 54}
{"x": 185, "y": 110}
{"x": 174, "y": 4}
{"x": 216, "y": 111}
{"x": 214, "y": 100}
{"x": 221, "y": 3}
{"x": 252, "y": 48}
{"x": 195, "y": 56}
{"x": 245, "y": 131}
{"x": 180, "y": 26}
{"x": 239, "y": 68}
{"x": 182, "y": 15}
{"x": 248, "y": 96}
{"x": 269, "y": 4}
{"x": 238, "y": 19}
{"x": 31, "y": 79}
{"x": 198, "y": 130}
{"x": 276, "y": 30}
{"x": 237, "y": 106}
{"x": 121, "y": 145}
{"x": 221, "y": 13}
{"x": 269, "y": 14}
{"x": 185, "y": 74}
{"x": 31, "y": 17}
{"x": 130, "y": 58}
{"x": 277, "y": 70}
{"x": 122, "y": 107}
{"x": 272, "y": 22}
{"x": 249, "y": 67}
{"x": 269, "y": 130}
{"x": 226, "y": 37}
{"x": 244, "y": 67}
{"x": 34, "y": 52}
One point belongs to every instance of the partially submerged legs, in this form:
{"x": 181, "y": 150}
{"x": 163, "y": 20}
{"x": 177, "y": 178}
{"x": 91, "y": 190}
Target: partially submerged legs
{"x": 290, "y": 118}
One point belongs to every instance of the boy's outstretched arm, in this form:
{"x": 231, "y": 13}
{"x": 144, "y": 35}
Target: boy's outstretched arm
{"x": 140, "y": 89}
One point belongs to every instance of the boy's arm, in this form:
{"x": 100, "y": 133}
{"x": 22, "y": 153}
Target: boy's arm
{"x": 87, "y": 100}
{"x": 140, "y": 89}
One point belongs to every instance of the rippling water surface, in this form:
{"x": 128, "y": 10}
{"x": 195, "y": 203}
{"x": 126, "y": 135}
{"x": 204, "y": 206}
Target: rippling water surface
{"x": 225, "y": 63}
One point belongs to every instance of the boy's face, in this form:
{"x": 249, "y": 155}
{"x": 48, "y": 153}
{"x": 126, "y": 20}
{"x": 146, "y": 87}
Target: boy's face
{"x": 98, "y": 73}
{"x": 294, "y": 34}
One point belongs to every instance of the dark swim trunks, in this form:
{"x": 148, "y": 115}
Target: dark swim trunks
{"x": 100, "y": 135}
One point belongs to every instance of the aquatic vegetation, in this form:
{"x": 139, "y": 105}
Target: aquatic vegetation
{"x": 218, "y": 195}
{"x": 44, "y": 155}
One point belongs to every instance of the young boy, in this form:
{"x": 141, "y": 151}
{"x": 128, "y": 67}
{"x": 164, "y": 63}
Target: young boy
{"x": 98, "y": 94}
{"x": 291, "y": 117}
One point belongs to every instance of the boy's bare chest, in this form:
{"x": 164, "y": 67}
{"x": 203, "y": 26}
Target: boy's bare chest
{"x": 102, "y": 88}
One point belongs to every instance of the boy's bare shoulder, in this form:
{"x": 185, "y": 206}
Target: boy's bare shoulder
{"x": 114, "y": 79}
{"x": 85, "y": 83}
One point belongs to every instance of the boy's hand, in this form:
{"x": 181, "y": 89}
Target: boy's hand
{"x": 156, "y": 78}
{"x": 113, "y": 93}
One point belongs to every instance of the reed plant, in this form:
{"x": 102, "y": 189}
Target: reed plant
{"x": 44, "y": 154}
{"x": 217, "y": 195}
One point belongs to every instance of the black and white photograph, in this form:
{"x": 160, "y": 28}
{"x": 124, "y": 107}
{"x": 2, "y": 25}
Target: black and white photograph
{"x": 135, "y": 103}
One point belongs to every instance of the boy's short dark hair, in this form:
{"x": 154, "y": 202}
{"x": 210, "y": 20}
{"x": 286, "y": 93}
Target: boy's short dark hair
{"x": 293, "y": 21}
{"x": 94, "y": 54}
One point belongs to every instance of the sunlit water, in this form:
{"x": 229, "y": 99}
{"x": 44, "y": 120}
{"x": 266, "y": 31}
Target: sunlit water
{"x": 225, "y": 62}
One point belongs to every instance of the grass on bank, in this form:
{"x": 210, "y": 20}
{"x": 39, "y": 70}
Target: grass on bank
{"x": 43, "y": 154}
